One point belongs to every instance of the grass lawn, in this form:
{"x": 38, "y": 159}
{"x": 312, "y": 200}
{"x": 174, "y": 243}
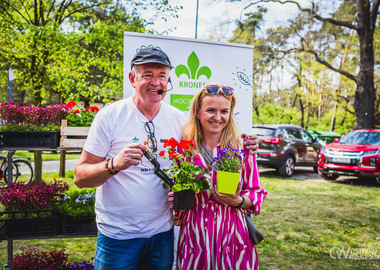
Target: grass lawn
{"x": 305, "y": 223}
{"x": 45, "y": 155}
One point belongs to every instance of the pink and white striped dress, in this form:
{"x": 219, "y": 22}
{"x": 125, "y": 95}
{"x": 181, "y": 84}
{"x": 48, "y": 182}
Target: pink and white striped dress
{"x": 214, "y": 235}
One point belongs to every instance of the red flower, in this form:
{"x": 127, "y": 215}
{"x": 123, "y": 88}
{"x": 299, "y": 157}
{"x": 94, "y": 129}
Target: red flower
{"x": 71, "y": 104}
{"x": 172, "y": 143}
{"x": 162, "y": 153}
{"x": 186, "y": 144}
{"x": 92, "y": 108}
{"x": 173, "y": 154}
{"x": 77, "y": 111}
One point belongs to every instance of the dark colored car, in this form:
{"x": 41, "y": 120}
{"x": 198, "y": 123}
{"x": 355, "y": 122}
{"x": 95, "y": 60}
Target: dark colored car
{"x": 285, "y": 146}
{"x": 356, "y": 154}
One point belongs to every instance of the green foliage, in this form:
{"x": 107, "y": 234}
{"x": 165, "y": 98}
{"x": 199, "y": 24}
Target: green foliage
{"x": 68, "y": 49}
{"x": 29, "y": 128}
{"x": 78, "y": 203}
{"x": 270, "y": 113}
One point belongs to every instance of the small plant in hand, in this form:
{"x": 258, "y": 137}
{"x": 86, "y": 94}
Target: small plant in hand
{"x": 186, "y": 175}
{"x": 35, "y": 196}
{"x": 229, "y": 160}
{"x": 80, "y": 117}
{"x": 78, "y": 203}
{"x": 31, "y": 118}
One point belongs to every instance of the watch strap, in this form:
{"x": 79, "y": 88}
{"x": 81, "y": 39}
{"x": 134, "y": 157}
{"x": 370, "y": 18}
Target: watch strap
{"x": 240, "y": 206}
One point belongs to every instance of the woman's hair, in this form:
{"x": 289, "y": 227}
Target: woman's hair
{"x": 193, "y": 129}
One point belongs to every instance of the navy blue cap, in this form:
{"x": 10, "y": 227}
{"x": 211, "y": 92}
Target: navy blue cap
{"x": 151, "y": 55}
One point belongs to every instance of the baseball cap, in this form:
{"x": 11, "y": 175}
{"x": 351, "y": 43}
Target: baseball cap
{"x": 151, "y": 55}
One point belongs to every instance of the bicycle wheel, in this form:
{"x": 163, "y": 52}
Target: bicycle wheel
{"x": 14, "y": 173}
{"x": 24, "y": 171}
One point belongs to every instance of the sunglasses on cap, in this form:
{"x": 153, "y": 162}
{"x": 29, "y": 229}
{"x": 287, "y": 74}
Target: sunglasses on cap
{"x": 213, "y": 89}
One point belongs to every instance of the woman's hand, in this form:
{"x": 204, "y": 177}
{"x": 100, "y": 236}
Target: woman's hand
{"x": 229, "y": 199}
{"x": 170, "y": 197}
{"x": 251, "y": 143}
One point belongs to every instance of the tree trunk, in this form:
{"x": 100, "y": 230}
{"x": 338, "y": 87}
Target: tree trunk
{"x": 38, "y": 166}
{"x": 365, "y": 94}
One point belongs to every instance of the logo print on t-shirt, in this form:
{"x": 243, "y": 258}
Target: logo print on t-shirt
{"x": 135, "y": 139}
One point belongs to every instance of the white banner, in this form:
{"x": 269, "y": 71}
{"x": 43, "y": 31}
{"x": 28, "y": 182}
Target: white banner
{"x": 196, "y": 63}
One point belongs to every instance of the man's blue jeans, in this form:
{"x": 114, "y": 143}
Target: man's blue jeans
{"x": 155, "y": 253}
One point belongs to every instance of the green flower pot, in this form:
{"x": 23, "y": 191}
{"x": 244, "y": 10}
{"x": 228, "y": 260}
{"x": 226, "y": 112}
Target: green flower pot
{"x": 227, "y": 182}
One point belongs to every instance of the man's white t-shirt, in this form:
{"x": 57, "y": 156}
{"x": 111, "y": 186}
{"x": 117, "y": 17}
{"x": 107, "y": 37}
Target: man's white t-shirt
{"x": 132, "y": 203}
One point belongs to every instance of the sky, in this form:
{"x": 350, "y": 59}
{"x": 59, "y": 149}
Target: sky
{"x": 218, "y": 17}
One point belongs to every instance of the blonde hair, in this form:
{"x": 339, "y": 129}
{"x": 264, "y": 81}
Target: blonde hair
{"x": 193, "y": 129}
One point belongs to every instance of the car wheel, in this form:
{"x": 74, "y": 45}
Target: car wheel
{"x": 328, "y": 176}
{"x": 287, "y": 167}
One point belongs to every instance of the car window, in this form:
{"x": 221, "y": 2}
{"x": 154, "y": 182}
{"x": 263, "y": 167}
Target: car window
{"x": 364, "y": 137}
{"x": 294, "y": 133}
{"x": 305, "y": 136}
{"x": 261, "y": 131}
{"x": 281, "y": 133}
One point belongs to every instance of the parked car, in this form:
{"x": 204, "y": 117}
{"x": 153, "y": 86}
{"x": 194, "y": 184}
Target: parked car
{"x": 356, "y": 154}
{"x": 285, "y": 146}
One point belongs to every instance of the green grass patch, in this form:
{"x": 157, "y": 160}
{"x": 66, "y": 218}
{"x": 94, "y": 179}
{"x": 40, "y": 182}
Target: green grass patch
{"x": 304, "y": 223}
{"x": 45, "y": 155}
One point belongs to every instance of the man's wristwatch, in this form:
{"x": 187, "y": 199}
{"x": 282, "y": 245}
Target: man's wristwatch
{"x": 240, "y": 206}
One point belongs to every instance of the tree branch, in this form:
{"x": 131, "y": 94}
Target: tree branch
{"x": 374, "y": 12}
{"x": 327, "y": 64}
{"x": 312, "y": 13}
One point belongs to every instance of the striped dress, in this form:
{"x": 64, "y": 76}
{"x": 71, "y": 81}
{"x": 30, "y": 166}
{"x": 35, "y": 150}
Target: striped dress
{"x": 214, "y": 235}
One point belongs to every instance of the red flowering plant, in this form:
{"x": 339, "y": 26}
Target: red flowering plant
{"x": 80, "y": 117}
{"x": 35, "y": 196}
{"x": 186, "y": 175}
{"x": 31, "y": 118}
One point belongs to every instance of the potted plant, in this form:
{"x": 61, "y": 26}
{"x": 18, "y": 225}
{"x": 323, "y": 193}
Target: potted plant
{"x": 229, "y": 163}
{"x": 30, "y": 126}
{"x": 189, "y": 179}
{"x": 75, "y": 127}
{"x": 30, "y": 210}
{"x": 80, "y": 117}
{"x": 77, "y": 211}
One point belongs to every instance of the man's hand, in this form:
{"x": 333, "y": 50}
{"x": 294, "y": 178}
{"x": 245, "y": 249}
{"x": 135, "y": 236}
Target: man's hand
{"x": 251, "y": 143}
{"x": 130, "y": 155}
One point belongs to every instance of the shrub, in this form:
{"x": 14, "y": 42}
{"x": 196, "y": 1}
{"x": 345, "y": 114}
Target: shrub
{"x": 34, "y": 259}
{"x": 31, "y": 118}
{"x": 35, "y": 196}
{"x": 78, "y": 203}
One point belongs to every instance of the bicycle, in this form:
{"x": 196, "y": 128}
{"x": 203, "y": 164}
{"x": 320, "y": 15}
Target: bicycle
{"x": 22, "y": 171}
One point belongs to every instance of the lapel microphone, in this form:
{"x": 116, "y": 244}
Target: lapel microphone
{"x": 161, "y": 91}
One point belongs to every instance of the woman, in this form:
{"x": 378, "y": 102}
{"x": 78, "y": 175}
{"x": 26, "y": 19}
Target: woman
{"x": 214, "y": 235}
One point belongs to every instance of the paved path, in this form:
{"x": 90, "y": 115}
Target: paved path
{"x": 53, "y": 165}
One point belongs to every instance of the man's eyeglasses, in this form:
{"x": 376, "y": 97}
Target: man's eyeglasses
{"x": 213, "y": 89}
{"x": 152, "y": 141}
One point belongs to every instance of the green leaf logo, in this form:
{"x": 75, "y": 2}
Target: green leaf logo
{"x": 193, "y": 71}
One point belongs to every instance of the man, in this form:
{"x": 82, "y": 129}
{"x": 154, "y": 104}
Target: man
{"x": 133, "y": 215}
